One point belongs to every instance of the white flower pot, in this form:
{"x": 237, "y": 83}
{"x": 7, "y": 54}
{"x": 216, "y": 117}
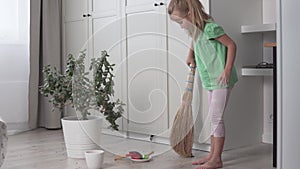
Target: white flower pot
{"x": 81, "y": 135}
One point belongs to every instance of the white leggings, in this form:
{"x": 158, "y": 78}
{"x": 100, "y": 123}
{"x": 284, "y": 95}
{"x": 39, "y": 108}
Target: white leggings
{"x": 217, "y": 101}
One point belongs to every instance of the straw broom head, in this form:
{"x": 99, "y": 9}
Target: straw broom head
{"x": 182, "y": 132}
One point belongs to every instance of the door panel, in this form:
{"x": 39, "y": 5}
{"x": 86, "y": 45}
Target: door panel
{"x": 147, "y": 67}
{"x": 139, "y": 2}
{"x": 107, "y": 36}
{"x": 74, "y": 9}
{"x": 104, "y": 7}
{"x": 76, "y": 36}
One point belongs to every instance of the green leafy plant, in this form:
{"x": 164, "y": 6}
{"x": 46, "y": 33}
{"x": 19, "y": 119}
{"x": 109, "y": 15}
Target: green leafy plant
{"x": 58, "y": 86}
{"x": 103, "y": 86}
{"x": 85, "y": 92}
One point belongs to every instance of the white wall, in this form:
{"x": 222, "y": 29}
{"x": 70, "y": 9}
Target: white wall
{"x": 14, "y": 63}
{"x": 289, "y": 82}
{"x": 269, "y": 11}
{"x": 244, "y": 113}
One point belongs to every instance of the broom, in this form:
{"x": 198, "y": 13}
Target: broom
{"x": 182, "y": 132}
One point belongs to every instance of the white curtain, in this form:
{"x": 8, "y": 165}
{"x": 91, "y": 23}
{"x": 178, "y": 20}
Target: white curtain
{"x": 45, "y": 48}
{"x": 14, "y": 66}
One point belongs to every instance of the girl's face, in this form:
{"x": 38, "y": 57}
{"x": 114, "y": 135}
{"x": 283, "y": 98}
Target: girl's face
{"x": 182, "y": 19}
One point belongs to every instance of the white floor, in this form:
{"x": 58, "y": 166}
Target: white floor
{"x": 45, "y": 149}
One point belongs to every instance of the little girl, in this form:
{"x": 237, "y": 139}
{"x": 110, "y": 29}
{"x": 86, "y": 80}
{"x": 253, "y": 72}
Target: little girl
{"x": 213, "y": 52}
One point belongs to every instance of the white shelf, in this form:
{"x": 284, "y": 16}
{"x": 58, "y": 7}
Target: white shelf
{"x": 257, "y": 72}
{"x": 258, "y": 28}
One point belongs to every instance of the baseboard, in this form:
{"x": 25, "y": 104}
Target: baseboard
{"x": 151, "y": 138}
{"x": 267, "y": 138}
{"x": 201, "y": 147}
{"x": 114, "y": 132}
{"x": 15, "y": 128}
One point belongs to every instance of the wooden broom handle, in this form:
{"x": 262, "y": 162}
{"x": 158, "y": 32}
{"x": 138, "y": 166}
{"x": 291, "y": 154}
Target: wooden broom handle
{"x": 119, "y": 157}
{"x": 150, "y": 153}
{"x": 190, "y": 78}
{"x": 192, "y": 69}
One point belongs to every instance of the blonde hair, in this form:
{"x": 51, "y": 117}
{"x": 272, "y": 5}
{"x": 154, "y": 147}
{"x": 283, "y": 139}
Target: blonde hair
{"x": 198, "y": 16}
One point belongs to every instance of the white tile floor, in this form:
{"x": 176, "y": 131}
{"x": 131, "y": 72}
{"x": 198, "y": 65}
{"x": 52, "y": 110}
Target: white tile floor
{"x": 44, "y": 149}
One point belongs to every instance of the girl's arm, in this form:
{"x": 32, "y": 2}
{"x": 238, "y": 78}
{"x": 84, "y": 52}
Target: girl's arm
{"x": 191, "y": 57}
{"x": 231, "y": 52}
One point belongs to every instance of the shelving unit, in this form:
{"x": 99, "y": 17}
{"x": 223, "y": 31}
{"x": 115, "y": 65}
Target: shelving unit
{"x": 273, "y": 46}
{"x": 266, "y": 30}
{"x": 258, "y": 28}
{"x": 248, "y": 71}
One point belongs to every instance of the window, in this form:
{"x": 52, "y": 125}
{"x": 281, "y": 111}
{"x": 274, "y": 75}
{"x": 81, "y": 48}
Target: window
{"x": 14, "y": 18}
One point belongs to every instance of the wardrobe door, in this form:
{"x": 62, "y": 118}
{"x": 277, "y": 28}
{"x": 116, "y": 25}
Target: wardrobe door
{"x": 105, "y": 34}
{"x": 74, "y": 9}
{"x": 75, "y": 32}
{"x": 75, "y": 25}
{"x": 147, "y": 68}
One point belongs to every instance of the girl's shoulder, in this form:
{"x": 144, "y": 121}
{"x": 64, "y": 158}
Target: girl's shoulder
{"x": 213, "y": 30}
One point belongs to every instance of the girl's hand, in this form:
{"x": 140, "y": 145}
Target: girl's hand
{"x": 224, "y": 78}
{"x": 190, "y": 61}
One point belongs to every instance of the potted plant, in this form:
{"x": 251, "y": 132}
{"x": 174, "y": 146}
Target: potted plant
{"x": 88, "y": 94}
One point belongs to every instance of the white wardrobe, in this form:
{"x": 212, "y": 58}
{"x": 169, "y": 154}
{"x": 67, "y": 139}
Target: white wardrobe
{"x": 150, "y": 51}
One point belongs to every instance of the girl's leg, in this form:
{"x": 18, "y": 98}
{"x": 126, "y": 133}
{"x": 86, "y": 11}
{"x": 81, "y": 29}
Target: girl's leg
{"x": 216, "y": 110}
{"x": 207, "y": 158}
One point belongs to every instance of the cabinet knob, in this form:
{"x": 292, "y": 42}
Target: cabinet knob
{"x": 161, "y": 3}
{"x": 84, "y": 15}
{"x": 155, "y": 4}
{"x": 89, "y": 15}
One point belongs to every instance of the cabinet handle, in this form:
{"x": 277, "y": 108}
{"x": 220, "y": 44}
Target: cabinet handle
{"x": 84, "y": 15}
{"x": 162, "y": 4}
{"x": 155, "y": 4}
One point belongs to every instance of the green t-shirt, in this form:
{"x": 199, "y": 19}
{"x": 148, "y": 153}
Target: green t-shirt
{"x": 210, "y": 56}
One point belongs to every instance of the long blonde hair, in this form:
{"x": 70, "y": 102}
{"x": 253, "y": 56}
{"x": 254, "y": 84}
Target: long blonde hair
{"x": 198, "y": 16}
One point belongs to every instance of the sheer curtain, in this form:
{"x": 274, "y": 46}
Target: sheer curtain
{"x": 14, "y": 64}
{"x": 45, "y": 48}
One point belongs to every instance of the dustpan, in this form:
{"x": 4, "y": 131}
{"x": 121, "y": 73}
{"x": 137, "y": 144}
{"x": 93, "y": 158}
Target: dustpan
{"x": 182, "y": 131}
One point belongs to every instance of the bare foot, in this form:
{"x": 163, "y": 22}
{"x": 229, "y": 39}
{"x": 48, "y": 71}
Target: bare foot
{"x": 211, "y": 165}
{"x": 202, "y": 160}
